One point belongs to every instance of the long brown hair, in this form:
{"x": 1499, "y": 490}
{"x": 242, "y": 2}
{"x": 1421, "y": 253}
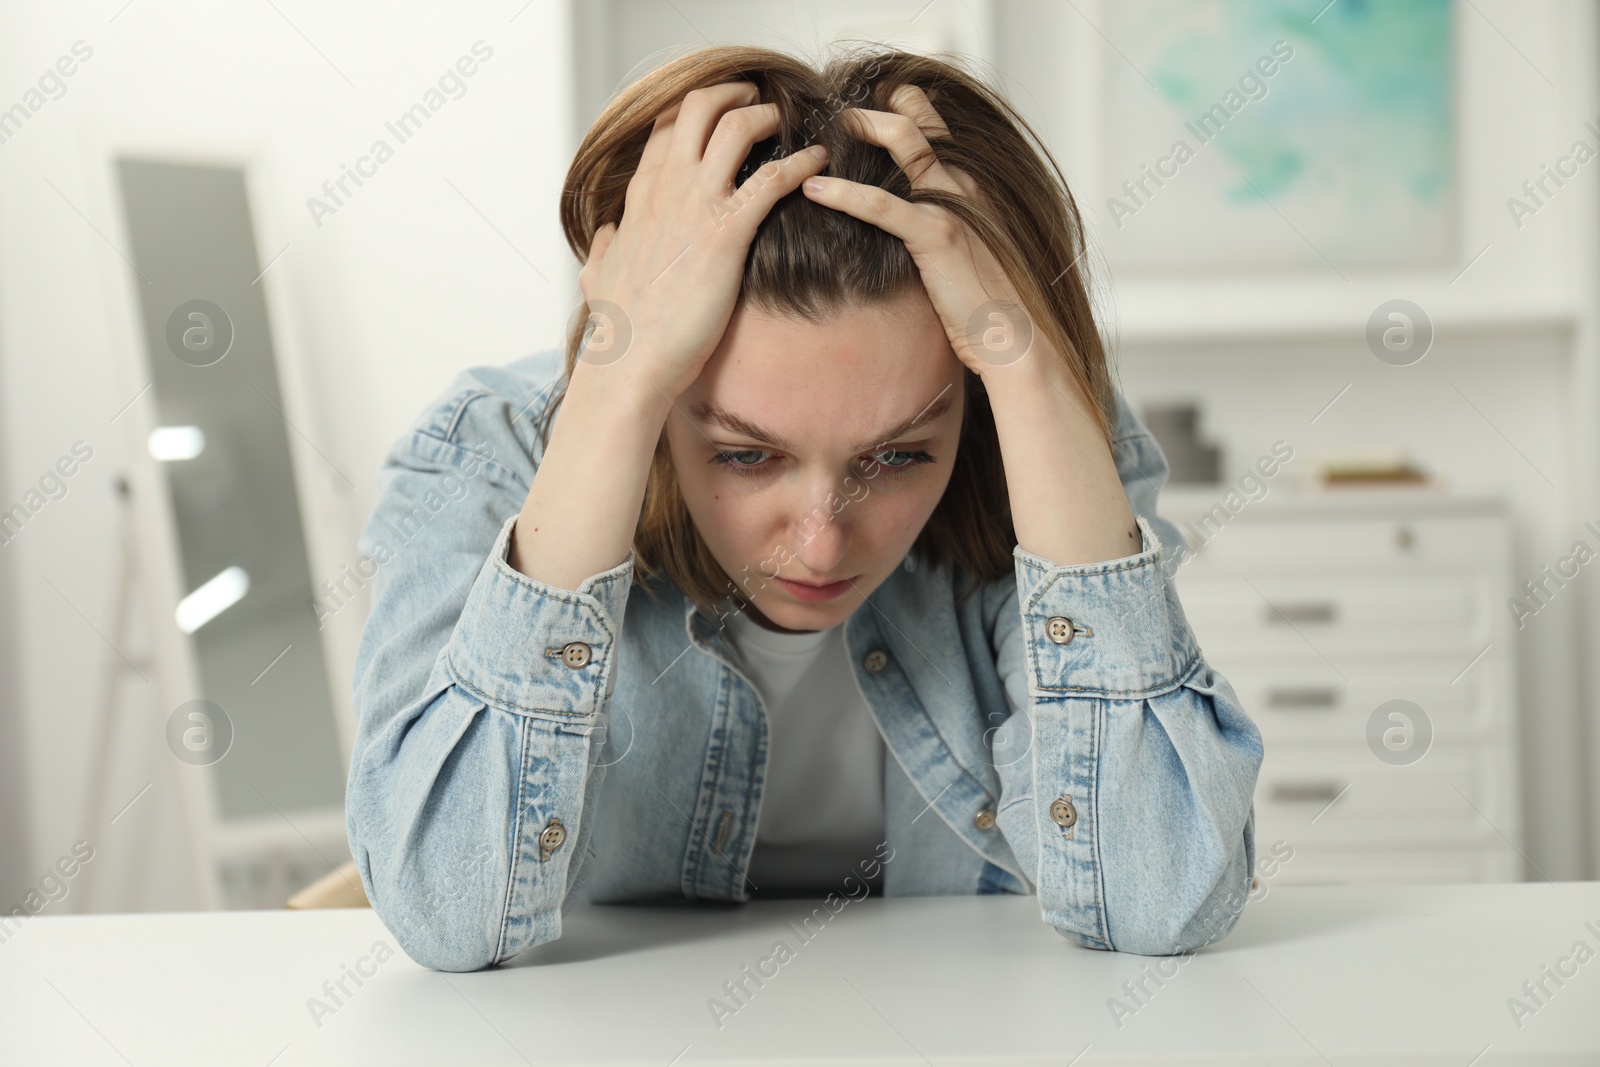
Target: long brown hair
{"x": 810, "y": 261}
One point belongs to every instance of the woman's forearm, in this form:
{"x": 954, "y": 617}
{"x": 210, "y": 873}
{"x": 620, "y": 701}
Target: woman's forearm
{"x": 582, "y": 510}
{"x": 1067, "y": 500}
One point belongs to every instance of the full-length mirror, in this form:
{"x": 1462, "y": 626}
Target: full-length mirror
{"x": 259, "y": 721}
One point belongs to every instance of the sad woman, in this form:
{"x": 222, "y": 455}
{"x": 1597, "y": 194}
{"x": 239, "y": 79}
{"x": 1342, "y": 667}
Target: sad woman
{"x": 824, "y": 559}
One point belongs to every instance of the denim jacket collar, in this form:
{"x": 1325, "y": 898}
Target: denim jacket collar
{"x": 927, "y": 725}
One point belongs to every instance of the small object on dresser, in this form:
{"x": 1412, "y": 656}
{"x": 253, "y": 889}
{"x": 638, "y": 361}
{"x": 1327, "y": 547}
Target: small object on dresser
{"x": 1386, "y": 467}
{"x": 1190, "y": 460}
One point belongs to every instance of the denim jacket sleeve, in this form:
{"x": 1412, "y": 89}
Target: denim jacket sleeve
{"x": 477, "y": 690}
{"x": 1131, "y": 807}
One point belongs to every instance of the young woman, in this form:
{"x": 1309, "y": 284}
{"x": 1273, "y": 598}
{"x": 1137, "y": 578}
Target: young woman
{"x": 826, "y": 559}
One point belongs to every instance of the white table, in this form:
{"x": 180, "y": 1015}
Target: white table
{"x": 1418, "y": 974}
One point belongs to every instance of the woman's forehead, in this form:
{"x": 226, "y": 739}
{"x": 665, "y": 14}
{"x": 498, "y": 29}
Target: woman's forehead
{"x": 849, "y": 377}
{"x": 843, "y": 427}
{"x": 871, "y": 345}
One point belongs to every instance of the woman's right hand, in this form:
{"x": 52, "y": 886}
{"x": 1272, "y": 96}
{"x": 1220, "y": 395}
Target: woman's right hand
{"x": 667, "y": 279}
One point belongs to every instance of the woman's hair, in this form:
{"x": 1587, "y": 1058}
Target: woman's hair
{"x": 810, "y": 261}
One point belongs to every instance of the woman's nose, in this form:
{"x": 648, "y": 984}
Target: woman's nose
{"x": 820, "y": 532}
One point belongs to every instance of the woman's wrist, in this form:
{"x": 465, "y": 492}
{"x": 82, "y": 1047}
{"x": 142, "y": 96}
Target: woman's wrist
{"x": 622, "y": 393}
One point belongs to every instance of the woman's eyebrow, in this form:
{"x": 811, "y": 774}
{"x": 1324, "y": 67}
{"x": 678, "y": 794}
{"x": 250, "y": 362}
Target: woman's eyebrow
{"x": 705, "y": 411}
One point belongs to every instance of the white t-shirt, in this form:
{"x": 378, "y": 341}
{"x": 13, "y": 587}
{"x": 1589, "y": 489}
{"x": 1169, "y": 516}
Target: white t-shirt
{"x": 822, "y": 808}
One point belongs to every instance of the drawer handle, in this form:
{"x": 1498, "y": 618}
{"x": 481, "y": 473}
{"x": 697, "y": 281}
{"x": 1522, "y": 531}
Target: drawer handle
{"x": 1313, "y": 697}
{"x": 1306, "y": 792}
{"x": 1322, "y": 611}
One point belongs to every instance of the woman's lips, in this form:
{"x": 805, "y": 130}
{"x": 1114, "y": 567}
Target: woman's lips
{"x": 801, "y": 591}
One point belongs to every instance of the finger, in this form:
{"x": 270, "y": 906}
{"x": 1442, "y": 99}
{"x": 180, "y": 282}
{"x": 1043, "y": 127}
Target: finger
{"x": 911, "y": 101}
{"x": 602, "y": 241}
{"x": 773, "y": 181}
{"x": 871, "y": 203}
{"x": 736, "y": 133}
{"x": 655, "y": 148}
{"x": 699, "y": 114}
{"x": 597, "y": 256}
{"x": 906, "y": 145}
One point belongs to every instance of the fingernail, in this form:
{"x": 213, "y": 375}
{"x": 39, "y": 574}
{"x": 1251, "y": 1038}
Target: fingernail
{"x": 820, "y": 151}
{"x": 814, "y": 185}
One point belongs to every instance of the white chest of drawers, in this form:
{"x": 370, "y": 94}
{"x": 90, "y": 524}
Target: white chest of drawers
{"x": 1321, "y": 607}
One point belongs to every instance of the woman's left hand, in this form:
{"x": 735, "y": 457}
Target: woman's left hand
{"x": 981, "y": 312}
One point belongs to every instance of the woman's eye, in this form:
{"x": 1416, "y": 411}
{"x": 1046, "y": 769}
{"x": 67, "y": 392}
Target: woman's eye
{"x": 747, "y": 457}
{"x": 901, "y": 461}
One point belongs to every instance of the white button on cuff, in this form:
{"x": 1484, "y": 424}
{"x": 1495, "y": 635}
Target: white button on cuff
{"x": 1061, "y": 629}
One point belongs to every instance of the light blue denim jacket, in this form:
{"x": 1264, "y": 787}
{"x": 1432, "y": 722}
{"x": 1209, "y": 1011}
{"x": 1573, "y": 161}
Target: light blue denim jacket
{"x": 521, "y": 747}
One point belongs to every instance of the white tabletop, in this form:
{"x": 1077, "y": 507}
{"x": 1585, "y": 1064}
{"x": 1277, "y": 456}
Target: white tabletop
{"x": 1311, "y": 975}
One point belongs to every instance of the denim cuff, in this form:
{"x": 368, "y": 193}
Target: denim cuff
{"x": 531, "y": 648}
{"x": 1128, "y": 634}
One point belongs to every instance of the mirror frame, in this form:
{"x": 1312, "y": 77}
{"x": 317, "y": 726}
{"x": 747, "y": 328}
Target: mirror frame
{"x": 329, "y": 524}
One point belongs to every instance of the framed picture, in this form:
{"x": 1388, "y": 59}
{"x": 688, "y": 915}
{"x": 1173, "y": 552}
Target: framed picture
{"x": 1265, "y": 136}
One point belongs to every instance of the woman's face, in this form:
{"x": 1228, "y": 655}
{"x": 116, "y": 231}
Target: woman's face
{"x": 815, "y": 453}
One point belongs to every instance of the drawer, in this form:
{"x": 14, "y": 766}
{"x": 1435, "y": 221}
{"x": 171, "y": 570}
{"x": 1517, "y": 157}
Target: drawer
{"x": 1381, "y": 806}
{"x": 1258, "y": 544}
{"x": 1290, "y": 615}
{"x": 1302, "y": 702}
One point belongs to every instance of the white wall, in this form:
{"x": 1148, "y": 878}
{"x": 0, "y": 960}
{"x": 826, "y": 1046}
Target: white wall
{"x": 407, "y": 283}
